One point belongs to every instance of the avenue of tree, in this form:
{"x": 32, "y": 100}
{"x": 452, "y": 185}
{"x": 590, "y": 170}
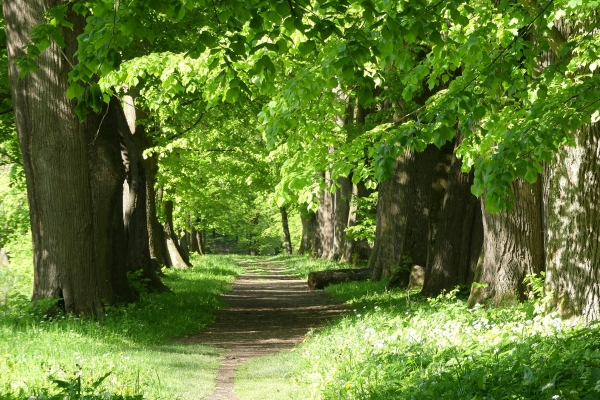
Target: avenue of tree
{"x": 460, "y": 136}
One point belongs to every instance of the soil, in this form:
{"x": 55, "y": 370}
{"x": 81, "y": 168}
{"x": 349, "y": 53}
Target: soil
{"x": 267, "y": 312}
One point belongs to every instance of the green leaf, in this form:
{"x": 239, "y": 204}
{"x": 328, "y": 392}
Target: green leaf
{"x": 306, "y": 47}
{"x": 282, "y": 8}
{"x": 75, "y": 90}
{"x": 81, "y": 110}
{"x": 256, "y": 22}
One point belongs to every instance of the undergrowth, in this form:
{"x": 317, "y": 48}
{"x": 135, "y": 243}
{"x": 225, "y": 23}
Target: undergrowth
{"x": 132, "y": 348}
{"x": 396, "y": 347}
{"x": 401, "y": 345}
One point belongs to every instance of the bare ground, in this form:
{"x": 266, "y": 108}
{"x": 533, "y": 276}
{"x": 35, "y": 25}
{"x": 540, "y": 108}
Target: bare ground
{"x": 267, "y": 312}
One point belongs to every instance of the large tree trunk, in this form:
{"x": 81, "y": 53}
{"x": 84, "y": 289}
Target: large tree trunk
{"x": 193, "y": 236}
{"x": 513, "y": 247}
{"x": 458, "y": 237}
{"x": 287, "y": 239}
{"x": 107, "y": 174}
{"x": 573, "y": 227}
{"x": 323, "y": 242}
{"x": 175, "y": 252}
{"x": 141, "y": 140}
{"x": 73, "y": 171}
{"x": 405, "y": 212}
{"x": 309, "y": 222}
{"x": 341, "y": 214}
{"x": 134, "y": 204}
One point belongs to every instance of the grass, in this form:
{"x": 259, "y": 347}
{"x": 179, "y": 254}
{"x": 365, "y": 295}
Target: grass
{"x": 396, "y": 346}
{"x": 135, "y": 343}
{"x": 270, "y": 377}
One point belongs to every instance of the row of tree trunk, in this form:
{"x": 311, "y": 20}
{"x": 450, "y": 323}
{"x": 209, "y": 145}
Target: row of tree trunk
{"x": 91, "y": 193}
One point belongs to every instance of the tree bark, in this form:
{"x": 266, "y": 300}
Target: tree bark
{"x": 134, "y": 205}
{"x": 573, "y": 227}
{"x": 175, "y": 256}
{"x": 405, "y": 211}
{"x": 73, "y": 171}
{"x": 341, "y": 214}
{"x": 200, "y": 242}
{"x": 513, "y": 247}
{"x": 193, "y": 236}
{"x": 141, "y": 140}
{"x": 458, "y": 238}
{"x": 321, "y": 279}
{"x": 309, "y": 222}
{"x": 287, "y": 239}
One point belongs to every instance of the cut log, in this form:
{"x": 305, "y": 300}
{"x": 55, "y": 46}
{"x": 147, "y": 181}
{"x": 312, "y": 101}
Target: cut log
{"x": 320, "y": 279}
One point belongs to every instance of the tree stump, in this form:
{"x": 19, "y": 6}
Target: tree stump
{"x": 320, "y": 279}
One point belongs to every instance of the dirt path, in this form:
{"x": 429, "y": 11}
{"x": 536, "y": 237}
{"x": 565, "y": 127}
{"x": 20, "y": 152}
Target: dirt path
{"x": 267, "y": 312}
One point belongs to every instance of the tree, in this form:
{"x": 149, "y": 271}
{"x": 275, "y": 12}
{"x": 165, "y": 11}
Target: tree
{"x": 75, "y": 188}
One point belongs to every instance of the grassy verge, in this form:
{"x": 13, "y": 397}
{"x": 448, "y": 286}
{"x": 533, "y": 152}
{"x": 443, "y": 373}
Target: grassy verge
{"x": 133, "y": 344}
{"x": 400, "y": 345}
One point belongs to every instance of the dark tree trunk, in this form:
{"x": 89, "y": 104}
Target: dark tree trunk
{"x": 287, "y": 239}
{"x": 323, "y": 243}
{"x": 134, "y": 205}
{"x": 309, "y": 222}
{"x": 175, "y": 256}
{"x": 573, "y": 227}
{"x": 200, "y": 242}
{"x": 74, "y": 175}
{"x": 407, "y": 206}
{"x": 458, "y": 239}
{"x": 156, "y": 235}
{"x": 193, "y": 236}
{"x": 341, "y": 214}
{"x": 321, "y": 279}
{"x": 513, "y": 247}
{"x": 184, "y": 246}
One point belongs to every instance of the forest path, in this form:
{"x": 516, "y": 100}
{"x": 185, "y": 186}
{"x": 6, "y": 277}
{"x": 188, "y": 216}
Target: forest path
{"x": 267, "y": 312}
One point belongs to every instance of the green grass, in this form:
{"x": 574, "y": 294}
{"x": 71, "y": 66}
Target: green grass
{"x": 135, "y": 343}
{"x": 270, "y": 377}
{"x": 401, "y": 345}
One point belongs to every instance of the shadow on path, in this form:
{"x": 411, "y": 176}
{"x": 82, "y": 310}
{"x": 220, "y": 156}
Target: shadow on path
{"x": 266, "y": 313}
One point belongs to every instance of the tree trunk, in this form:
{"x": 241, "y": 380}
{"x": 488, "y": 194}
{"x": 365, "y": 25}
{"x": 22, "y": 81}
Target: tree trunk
{"x": 573, "y": 233}
{"x": 156, "y": 235}
{"x": 134, "y": 205}
{"x": 323, "y": 242}
{"x": 458, "y": 239}
{"x": 193, "y": 236}
{"x": 74, "y": 175}
{"x": 184, "y": 246}
{"x": 321, "y": 279}
{"x": 309, "y": 222}
{"x": 287, "y": 239}
{"x": 200, "y": 242}
{"x": 341, "y": 213}
{"x": 405, "y": 209}
{"x": 513, "y": 247}
{"x": 175, "y": 256}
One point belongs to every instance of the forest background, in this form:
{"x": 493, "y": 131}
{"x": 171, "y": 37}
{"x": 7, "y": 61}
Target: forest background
{"x": 458, "y": 136}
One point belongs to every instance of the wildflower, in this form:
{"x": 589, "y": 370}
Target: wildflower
{"x": 348, "y": 386}
{"x": 549, "y": 385}
{"x": 556, "y": 397}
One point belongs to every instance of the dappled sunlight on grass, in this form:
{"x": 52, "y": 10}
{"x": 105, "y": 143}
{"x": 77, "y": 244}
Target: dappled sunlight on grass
{"x": 132, "y": 341}
{"x": 401, "y": 348}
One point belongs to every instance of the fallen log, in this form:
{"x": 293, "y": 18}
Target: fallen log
{"x": 320, "y": 279}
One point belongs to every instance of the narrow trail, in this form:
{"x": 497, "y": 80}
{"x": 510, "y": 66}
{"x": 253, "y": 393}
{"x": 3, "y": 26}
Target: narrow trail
{"x": 267, "y": 312}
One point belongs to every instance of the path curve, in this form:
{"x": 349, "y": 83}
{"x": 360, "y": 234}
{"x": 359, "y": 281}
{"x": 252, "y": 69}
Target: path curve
{"x": 265, "y": 313}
